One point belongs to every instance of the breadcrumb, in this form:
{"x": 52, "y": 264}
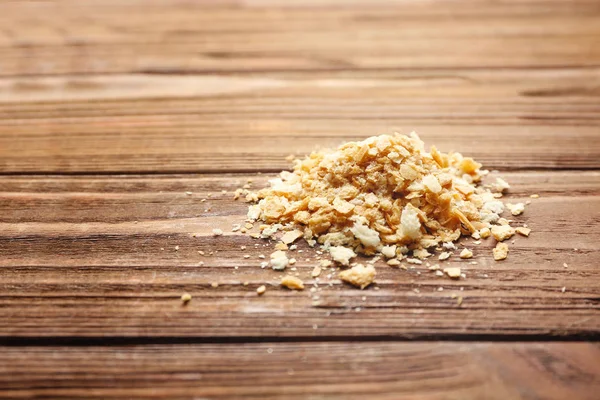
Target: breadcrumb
{"x": 452, "y": 272}
{"x": 523, "y": 231}
{"x": 500, "y": 251}
{"x": 292, "y": 282}
{"x": 466, "y": 253}
{"x": 359, "y": 275}
{"x": 260, "y": 290}
{"x": 217, "y": 232}
{"x": 186, "y": 297}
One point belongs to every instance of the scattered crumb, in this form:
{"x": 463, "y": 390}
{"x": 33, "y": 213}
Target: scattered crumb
{"x": 523, "y": 231}
{"x": 341, "y": 254}
{"x": 452, "y": 272}
{"x": 535, "y": 196}
{"x": 201, "y": 252}
{"x": 485, "y": 233}
{"x": 217, "y": 232}
{"x": 564, "y": 289}
{"x": 215, "y": 284}
{"x": 359, "y": 275}
{"x": 188, "y": 193}
{"x": 502, "y": 232}
{"x": 316, "y": 272}
{"x": 325, "y": 263}
{"x": 565, "y": 265}
{"x": 439, "y": 273}
{"x": 260, "y": 290}
{"x": 466, "y": 253}
{"x": 291, "y": 236}
{"x": 279, "y": 260}
{"x": 414, "y": 261}
{"x": 176, "y": 248}
{"x": 516, "y": 209}
{"x": 281, "y": 246}
{"x": 389, "y": 251}
{"x": 292, "y": 261}
{"x": 444, "y": 255}
{"x": 500, "y": 251}
{"x": 292, "y": 282}
{"x": 186, "y": 297}
{"x": 393, "y": 262}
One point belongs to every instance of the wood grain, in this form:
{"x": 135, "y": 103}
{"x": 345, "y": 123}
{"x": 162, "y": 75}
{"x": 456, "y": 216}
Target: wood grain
{"x": 95, "y": 256}
{"x": 183, "y": 37}
{"x": 382, "y": 370}
{"x": 137, "y": 124}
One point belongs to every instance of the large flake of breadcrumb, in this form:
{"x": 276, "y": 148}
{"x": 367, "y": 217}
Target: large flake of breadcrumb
{"x": 359, "y": 275}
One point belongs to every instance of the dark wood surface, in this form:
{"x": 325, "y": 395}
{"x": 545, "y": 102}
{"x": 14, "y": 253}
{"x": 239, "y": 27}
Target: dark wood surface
{"x": 110, "y": 111}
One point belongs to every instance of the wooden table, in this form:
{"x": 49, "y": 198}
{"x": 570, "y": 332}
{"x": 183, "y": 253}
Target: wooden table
{"x": 111, "y": 110}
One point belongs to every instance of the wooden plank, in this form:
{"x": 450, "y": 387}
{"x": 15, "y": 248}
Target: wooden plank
{"x": 374, "y": 370}
{"x": 95, "y": 256}
{"x": 524, "y": 119}
{"x": 115, "y": 37}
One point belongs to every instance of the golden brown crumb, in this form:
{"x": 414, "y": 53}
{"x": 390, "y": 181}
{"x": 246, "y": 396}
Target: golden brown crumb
{"x": 292, "y": 282}
{"x": 523, "y": 231}
{"x": 214, "y": 284}
{"x": 535, "y": 196}
{"x": 261, "y": 290}
{"x": 452, "y": 272}
{"x": 394, "y": 262}
{"x": 500, "y": 251}
{"x": 466, "y": 253}
{"x": 485, "y": 233}
{"x": 502, "y": 232}
{"x": 291, "y": 236}
{"x": 316, "y": 272}
{"x": 281, "y": 246}
{"x": 359, "y": 275}
{"x": 186, "y": 297}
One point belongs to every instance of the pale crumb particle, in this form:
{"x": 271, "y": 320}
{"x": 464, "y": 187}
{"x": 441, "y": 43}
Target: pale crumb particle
{"x": 325, "y": 263}
{"x": 246, "y": 283}
{"x": 414, "y": 261}
{"x": 474, "y": 262}
{"x": 466, "y": 253}
{"x": 453, "y": 296}
{"x": 260, "y": 290}
{"x": 292, "y": 261}
{"x": 523, "y": 231}
{"x": 215, "y": 284}
{"x": 434, "y": 267}
{"x": 176, "y": 248}
{"x": 394, "y": 262}
{"x": 502, "y": 232}
{"x": 281, "y": 246}
{"x": 341, "y": 254}
{"x": 261, "y": 256}
{"x": 527, "y": 202}
{"x": 162, "y": 249}
{"x": 292, "y": 282}
{"x": 236, "y": 228}
{"x": 565, "y": 265}
{"x": 270, "y": 350}
{"x": 439, "y": 273}
{"x": 500, "y": 251}
{"x": 444, "y": 255}
{"x": 459, "y": 301}
{"x": 535, "y": 196}
{"x": 293, "y": 247}
{"x": 485, "y": 233}
{"x": 359, "y": 275}
{"x": 291, "y": 236}
{"x": 315, "y": 326}
{"x": 201, "y": 252}
{"x": 279, "y": 260}
{"x": 516, "y": 209}
{"x": 189, "y": 193}
{"x": 186, "y": 297}
{"x": 452, "y": 272}
{"x": 201, "y": 263}
{"x": 440, "y": 289}
{"x": 564, "y": 289}
{"x": 316, "y": 272}
{"x": 243, "y": 247}
{"x": 217, "y": 232}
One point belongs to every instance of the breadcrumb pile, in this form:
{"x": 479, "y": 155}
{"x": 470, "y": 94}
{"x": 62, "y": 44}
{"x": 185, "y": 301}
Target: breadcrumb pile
{"x": 384, "y": 195}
